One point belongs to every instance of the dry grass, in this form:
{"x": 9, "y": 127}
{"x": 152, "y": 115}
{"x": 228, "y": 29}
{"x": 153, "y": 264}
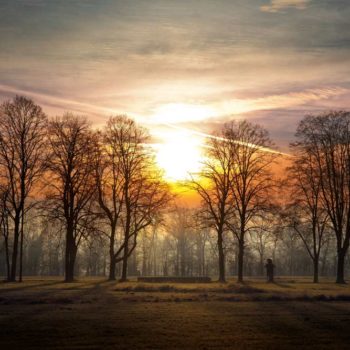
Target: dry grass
{"x": 95, "y": 314}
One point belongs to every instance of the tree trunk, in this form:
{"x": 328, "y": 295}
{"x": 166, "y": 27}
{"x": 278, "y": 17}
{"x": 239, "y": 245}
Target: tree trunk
{"x": 112, "y": 265}
{"x": 124, "y": 276}
{"x": 15, "y": 250}
{"x": 316, "y": 263}
{"x": 112, "y": 259}
{"x": 21, "y": 250}
{"x": 261, "y": 265}
{"x": 67, "y": 257}
{"x": 203, "y": 260}
{"x": 7, "y": 255}
{"x": 71, "y": 251}
{"x": 222, "y": 278}
{"x": 70, "y": 266}
{"x": 240, "y": 260}
{"x": 70, "y": 271}
{"x": 144, "y": 263}
{"x": 340, "y": 266}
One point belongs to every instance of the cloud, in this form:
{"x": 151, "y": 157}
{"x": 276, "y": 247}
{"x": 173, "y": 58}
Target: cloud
{"x": 58, "y": 104}
{"x": 280, "y": 101}
{"x": 181, "y": 62}
{"x": 278, "y": 5}
{"x": 299, "y": 98}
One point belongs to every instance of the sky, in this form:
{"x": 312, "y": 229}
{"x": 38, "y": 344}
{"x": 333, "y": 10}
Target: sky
{"x": 179, "y": 66}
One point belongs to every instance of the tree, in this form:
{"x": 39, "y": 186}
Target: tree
{"x": 326, "y": 138}
{"x": 306, "y": 213}
{"x": 213, "y": 186}
{"x": 146, "y": 197}
{"x": 71, "y": 180}
{"x": 22, "y": 158}
{"x": 130, "y": 190}
{"x": 262, "y": 236}
{"x": 150, "y": 249}
{"x": 201, "y": 237}
{"x": 250, "y": 179}
{"x": 181, "y": 231}
{"x": 110, "y": 184}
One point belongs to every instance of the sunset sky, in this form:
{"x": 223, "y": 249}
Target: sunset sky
{"x": 178, "y": 66}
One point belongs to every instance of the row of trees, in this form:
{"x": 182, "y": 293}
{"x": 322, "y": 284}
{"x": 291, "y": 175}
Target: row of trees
{"x": 320, "y": 178}
{"x": 89, "y": 182}
{"x": 91, "y": 186}
{"x": 181, "y": 247}
{"x": 236, "y": 184}
{"x": 239, "y": 186}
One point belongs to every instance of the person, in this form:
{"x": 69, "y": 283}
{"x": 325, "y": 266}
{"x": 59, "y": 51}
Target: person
{"x": 269, "y": 270}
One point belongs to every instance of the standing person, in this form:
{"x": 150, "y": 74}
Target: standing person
{"x": 269, "y": 270}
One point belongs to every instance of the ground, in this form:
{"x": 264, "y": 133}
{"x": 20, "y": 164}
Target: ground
{"x": 94, "y": 314}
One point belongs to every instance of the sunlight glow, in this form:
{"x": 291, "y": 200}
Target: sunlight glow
{"x": 179, "y": 155}
{"x": 182, "y": 112}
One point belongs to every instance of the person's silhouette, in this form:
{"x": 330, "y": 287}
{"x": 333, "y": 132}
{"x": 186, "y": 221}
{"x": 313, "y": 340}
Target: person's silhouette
{"x": 269, "y": 270}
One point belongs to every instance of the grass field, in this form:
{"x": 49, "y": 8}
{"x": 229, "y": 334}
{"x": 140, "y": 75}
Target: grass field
{"x": 95, "y": 314}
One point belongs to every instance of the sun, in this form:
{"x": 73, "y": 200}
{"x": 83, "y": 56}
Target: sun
{"x": 179, "y": 155}
{"x": 180, "y": 152}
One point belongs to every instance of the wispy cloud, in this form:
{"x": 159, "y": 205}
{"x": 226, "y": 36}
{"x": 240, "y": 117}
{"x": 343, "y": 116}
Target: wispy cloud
{"x": 278, "y": 5}
{"x": 279, "y": 101}
{"x": 51, "y": 100}
{"x": 299, "y": 98}
{"x": 58, "y": 103}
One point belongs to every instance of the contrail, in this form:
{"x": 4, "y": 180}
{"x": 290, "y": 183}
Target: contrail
{"x": 265, "y": 149}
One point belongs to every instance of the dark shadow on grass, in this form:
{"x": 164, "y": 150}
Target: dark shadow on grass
{"x": 82, "y": 292}
{"x": 281, "y": 284}
{"x": 243, "y": 288}
{"x": 19, "y": 286}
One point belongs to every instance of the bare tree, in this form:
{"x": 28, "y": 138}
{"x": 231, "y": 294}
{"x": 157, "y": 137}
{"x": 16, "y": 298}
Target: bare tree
{"x": 22, "y": 154}
{"x": 262, "y": 236}
{"x": 213, "y": 186}
{"x": 130, "y": 190}
{"x": 306, "y": 213}
{"x": 326, "y": 138}
{"x": 72, "y": 185}
{"x": 181, "y": 231}
{"x": 110, "y": 185}
{"x": 150, "y": 249}
{"x": 146, "y": 198}
{"x": 250, "y": 182}
{"x": 201, "y": 236}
